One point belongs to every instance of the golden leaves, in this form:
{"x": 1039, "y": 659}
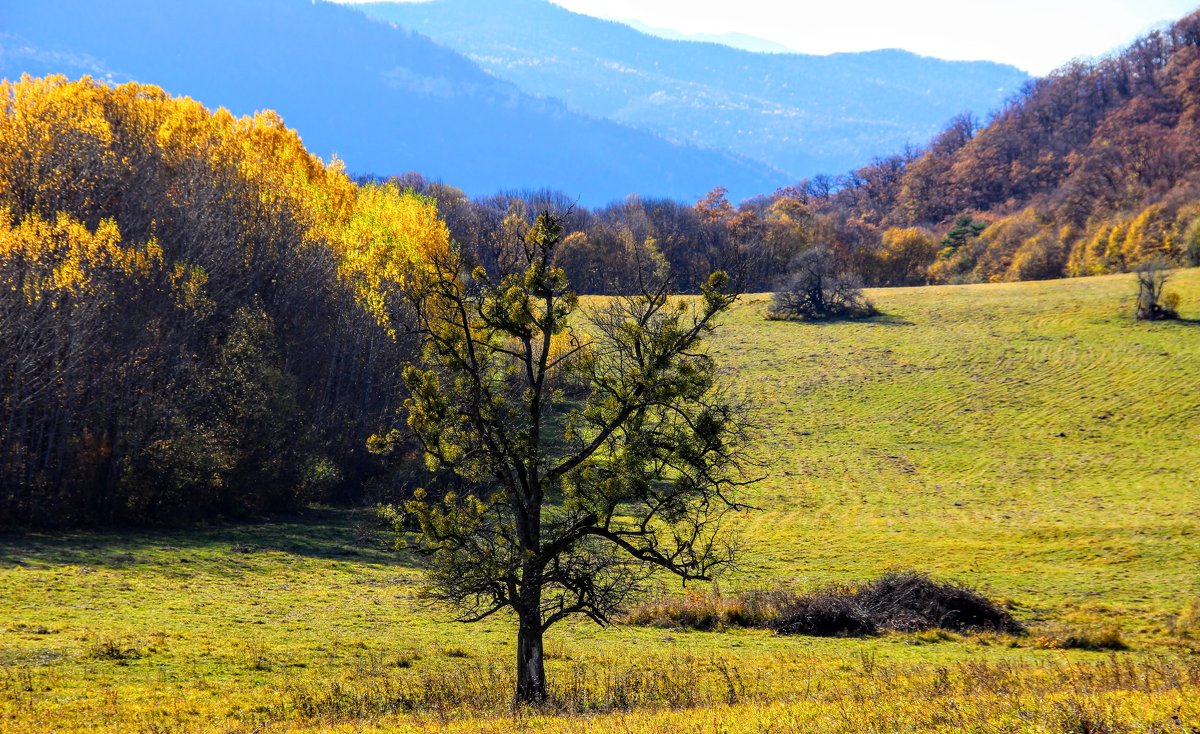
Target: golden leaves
{"x": 69, "y": 147}
{"x": 65, "y": 258}
{"x": 389, "y": 235}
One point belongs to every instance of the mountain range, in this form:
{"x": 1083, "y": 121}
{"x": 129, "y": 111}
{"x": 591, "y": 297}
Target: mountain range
{"x": 386, "y": 98}
{"x": 802, "y": 114}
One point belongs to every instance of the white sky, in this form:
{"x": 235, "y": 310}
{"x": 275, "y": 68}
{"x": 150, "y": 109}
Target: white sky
{"x": 1035, "y": 35}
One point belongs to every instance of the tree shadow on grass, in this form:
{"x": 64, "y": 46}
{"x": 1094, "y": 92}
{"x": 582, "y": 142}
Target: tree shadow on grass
{"x": 881, "y": 319}
{"x": 1163, "y": 323}
{"x": 887, "y": 319}
{"x": 230, "y": 549}
{"x": 1183, "y": 322}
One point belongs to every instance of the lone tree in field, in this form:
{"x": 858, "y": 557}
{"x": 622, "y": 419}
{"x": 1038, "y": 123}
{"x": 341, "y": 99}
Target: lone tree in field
{"x": 816, "y": 289}
{"x": 1152, "y": 304}
{"x": 584, "y": 459}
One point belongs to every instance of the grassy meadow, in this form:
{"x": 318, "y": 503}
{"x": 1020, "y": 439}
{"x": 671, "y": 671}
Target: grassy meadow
{"x": 1031, "y": 440}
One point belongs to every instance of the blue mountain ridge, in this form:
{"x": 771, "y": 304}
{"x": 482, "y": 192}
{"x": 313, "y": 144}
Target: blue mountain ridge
{"x": 384, "y": 99}
{"x": 803, "y": 114}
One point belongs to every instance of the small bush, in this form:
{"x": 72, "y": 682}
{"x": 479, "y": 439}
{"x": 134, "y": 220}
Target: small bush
{"x": 897, "y": 602}
{"x": 910, "y": 602}
{"x": 833, "y": 613}
{"x": 1152, "y": 303}
{"x": 1108, "y": 638}
{"x": 817, "y": 289}
{"x": 1187, "y": 622}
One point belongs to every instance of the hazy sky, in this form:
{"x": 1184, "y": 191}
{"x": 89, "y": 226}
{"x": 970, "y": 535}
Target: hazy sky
{"x": 1035, "y": 35}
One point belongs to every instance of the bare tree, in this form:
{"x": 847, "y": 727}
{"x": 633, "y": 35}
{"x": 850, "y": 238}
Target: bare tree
{"x": 1152, "y": 277}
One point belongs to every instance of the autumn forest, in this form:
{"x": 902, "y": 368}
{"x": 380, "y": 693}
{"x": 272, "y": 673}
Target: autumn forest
{"x": 156, "y": 249}
{"x": 910, "y": 447}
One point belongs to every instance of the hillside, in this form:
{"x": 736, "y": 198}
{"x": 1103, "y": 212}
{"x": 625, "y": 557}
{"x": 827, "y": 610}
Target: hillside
{"x": 1093, "y": 169}
{"x": 382, "y": 99}
{"x": 1028, "y": 438}
{"x": 802, "y": 114}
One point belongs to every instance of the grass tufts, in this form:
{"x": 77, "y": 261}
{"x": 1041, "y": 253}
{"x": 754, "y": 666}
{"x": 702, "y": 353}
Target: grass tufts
{"x": 1105, "y": 638}
{"x": 110, "y": 649}
{"x": 712, "y": 610}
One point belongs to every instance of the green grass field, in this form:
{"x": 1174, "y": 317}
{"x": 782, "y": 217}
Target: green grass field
{"x": 1029, "y": 439}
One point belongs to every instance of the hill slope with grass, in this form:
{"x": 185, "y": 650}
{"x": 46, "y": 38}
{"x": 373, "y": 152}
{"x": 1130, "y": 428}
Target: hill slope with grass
{"x": 1031, "y": 440}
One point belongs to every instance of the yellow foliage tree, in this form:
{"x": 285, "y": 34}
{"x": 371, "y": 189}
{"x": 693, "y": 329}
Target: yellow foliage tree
{"x": 63, "y": 262}
{"x": 906, "y": 256}
{"x": 1087, "y": 256}
{"x": 388, "y": 235}
{"x": 1151, "y": 233}
{"x": 163, "y": 266}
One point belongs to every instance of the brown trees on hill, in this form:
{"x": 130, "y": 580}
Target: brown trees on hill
{"x": 1090, "y": 170}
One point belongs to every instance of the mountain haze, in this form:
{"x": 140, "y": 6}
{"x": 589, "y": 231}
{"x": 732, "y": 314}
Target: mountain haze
{"x": 742, "y": 41}
{"x": 383, "y": 99}
{"x": 799, "y": 113}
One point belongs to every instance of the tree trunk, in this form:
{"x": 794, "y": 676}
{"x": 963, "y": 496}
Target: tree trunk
{"x": 531, "y": 672}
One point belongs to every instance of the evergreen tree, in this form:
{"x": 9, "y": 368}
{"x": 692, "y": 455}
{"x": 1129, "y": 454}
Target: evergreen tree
{"x": 582, "y": 460}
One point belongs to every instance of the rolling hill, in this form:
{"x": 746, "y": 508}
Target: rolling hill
{"x": 1092, "y": 169}
{"x": 1027, "y": 438}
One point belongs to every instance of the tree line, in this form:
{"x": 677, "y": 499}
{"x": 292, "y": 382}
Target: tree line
{"x": 1093, "y": 169}
{"x": 197, "y": 316}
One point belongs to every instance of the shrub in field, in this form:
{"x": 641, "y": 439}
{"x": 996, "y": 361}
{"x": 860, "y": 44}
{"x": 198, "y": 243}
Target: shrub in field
{"x": 1187, "y": 622}
{"x": 831, "y": 613}
{"x": 1152, "y": 303}
{"x": 818, "y": 289}
{"x": 897, "y": 602}
{"x": 910, "y": 602}
{"x": 1107, "y": 638}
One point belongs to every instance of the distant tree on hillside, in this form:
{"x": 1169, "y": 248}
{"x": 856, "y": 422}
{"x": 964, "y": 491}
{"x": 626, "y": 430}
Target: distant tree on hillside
{"x": 1152, "y": 303}
{"x": 906, "y": 256}
{"x": 964, "y": 230}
